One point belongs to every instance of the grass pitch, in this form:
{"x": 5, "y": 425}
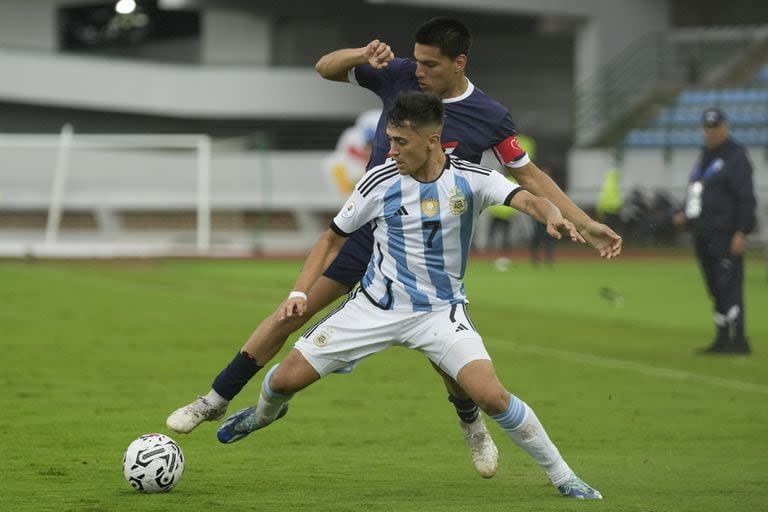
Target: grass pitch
{"x": 95, "y": 354}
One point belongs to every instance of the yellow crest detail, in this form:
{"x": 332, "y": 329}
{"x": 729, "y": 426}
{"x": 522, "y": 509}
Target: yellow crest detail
{"x": 457, "y": 203}
{"x": 430, "y": 207}
{"x": 321, "y": 339}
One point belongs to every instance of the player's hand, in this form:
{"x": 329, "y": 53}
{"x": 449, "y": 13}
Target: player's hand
{"x": 560, "y": 227}
{"x": 602, "y": 238}
{"x": 679, "y": 220}
{"x": 379, "y": 54}
{"x": 295, "y": 306}
{"x": 738, "y": 243}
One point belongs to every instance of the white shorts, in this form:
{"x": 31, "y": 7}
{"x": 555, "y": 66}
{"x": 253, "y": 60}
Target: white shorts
{"x": 358, "y": 329}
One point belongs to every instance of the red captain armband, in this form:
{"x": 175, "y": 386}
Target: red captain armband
{"x": 509, "y": 151}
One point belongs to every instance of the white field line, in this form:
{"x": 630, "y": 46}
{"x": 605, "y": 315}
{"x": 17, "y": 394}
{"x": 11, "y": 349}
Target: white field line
{"x": 618, "y": 364}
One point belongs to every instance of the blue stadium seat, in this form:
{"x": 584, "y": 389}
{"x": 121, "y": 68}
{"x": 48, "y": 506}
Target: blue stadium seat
{"x": 689, "y": 116}
{"x": 679, "y": 124}
{"x": 752, "y": 136}
{"x": 685, "y": 138}
{"x": 665, "y": 117}
{"x": 735, "y": 96}
{"x": 645, "y": 138}
{"x": 762, "y": 75}
{"x": 690, "y": 98}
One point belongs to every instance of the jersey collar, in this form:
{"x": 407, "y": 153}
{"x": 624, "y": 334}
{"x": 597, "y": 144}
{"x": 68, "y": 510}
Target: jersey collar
{"x": 470, "y": 89}
{"x": 442, "y": 171}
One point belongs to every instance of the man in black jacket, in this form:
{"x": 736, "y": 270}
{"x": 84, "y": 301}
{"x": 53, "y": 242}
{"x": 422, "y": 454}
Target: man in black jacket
{"x": 720, "y": 211}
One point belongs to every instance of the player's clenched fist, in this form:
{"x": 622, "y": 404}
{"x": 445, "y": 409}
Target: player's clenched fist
{"x": 379, "y": 54}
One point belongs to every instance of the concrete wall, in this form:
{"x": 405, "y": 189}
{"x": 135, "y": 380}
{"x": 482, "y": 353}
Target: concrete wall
{"x": 176, "y": 90}
{"x": 231, "y": 36}
{"x": 603, "y": 27}
{"x": 28, "y": 25}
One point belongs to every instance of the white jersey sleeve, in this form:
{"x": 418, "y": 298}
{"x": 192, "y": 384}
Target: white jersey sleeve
{"x": 496, "y": 189}
{"x": 361, "y": 208}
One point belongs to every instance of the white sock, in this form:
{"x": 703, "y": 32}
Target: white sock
{"x": 524, "y": 428}
{"x": 270, "y": 401}
{"x": 215, "y": 399}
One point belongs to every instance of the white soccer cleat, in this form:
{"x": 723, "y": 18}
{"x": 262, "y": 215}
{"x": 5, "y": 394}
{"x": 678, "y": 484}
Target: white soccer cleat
{"x": 185, "y": 419}
{"x": 485, "y": 455}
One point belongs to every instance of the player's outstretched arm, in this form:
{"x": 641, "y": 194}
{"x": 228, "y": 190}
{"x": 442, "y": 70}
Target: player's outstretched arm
{"x": 607, "y": 242}
{"x": 322, "y": 254}
{"x": 544, "y": 211}
{"x": 335, "y": 65}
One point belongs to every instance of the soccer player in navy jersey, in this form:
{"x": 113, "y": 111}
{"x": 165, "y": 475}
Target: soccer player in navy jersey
{"x": 423, "y": 205}
{"x": 474, "y": 123}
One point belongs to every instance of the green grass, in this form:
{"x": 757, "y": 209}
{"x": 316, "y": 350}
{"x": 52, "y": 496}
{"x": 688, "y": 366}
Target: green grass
{"x": 95, "y": 354}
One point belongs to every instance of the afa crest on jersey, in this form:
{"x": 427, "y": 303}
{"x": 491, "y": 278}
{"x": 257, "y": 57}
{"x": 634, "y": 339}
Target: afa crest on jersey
{"x": 321, "y": 338}
{"x": 457, "y": 203}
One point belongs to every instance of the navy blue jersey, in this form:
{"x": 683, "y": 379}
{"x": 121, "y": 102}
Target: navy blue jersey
{"x": 726, "y": 190}
{"x": 474, "y": 121}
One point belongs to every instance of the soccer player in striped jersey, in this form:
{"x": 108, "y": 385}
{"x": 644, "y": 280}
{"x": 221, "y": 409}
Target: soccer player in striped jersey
{"x": 474, "y": 123}
{"x": 423, "y": 206}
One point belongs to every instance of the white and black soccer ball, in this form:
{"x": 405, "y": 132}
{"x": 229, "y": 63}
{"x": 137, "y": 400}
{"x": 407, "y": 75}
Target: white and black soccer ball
{"x": 153, "y": 463}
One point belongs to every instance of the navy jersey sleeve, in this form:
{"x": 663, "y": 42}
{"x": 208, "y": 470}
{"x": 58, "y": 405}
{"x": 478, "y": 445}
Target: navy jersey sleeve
{"x": 380, "y": 81}
{"x": 743, "y": 190}
{"x": 506, "y": 127}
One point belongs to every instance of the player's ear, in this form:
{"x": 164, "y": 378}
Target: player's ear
{"x": 459, "y": 63}
{"x": 434, "y": 140}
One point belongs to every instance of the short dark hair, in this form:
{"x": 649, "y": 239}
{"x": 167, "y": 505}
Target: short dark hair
{"x": 417, "y": 108}
{"x": 448, "y": 34}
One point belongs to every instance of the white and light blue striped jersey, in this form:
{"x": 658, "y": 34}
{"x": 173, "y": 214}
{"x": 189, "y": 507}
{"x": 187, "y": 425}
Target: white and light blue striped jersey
{"x": 422, "y": 231}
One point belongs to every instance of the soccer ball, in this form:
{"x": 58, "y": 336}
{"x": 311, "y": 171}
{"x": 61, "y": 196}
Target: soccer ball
{"x": 153, "y": 463}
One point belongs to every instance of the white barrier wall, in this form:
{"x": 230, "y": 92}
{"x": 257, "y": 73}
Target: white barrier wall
{"x": 136, "y": 180}
{"x": 107, "y": 185}
{"x": 176, "y": 90}
{"x": 114, "y": 196}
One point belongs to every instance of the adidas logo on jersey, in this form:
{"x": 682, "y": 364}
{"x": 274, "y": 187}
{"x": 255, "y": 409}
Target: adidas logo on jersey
{"x": 401, "y": 211}
{"x": 462, "y": 327}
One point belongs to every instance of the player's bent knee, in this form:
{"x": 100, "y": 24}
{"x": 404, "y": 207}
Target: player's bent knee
{"x": 452, "y": 386}
{"x": 293, "y": 374}
{"x": 492, "y": 400}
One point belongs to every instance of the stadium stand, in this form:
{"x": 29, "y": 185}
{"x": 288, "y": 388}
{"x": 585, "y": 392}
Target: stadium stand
{"x": 677, "y": 125}
{"x": 649, "y": 95}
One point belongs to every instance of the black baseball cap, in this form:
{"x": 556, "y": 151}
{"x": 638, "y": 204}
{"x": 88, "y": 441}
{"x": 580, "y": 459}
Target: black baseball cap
{"x": 713, "y": 117}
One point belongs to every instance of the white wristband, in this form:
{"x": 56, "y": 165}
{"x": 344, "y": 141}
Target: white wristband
{"x": 297, "y": 295}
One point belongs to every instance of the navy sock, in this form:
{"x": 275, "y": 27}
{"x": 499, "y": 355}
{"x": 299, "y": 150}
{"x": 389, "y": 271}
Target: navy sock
{"x": 466, "y": 409}
{"x": 722, "y": 333}
{"x": 238, "y": 372}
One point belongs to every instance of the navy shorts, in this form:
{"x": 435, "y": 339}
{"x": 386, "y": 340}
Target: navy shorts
{"x": 349, "y": 266}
